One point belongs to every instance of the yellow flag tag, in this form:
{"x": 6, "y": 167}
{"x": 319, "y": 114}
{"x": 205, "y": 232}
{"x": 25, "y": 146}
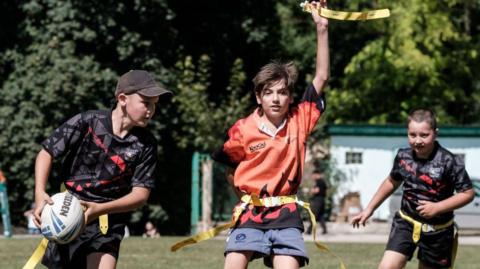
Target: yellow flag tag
{"x": 347, "y": 16}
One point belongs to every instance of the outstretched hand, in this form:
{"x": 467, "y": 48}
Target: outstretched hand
{"x": 361, "y": 218}
{"x": 319, "y": 20}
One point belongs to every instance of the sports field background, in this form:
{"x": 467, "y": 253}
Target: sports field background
{"x": 139, "y": 253}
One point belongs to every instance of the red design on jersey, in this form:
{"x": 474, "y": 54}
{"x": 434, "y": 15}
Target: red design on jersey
{"x": 115, "y": 158}
{"x": 426, "y": 179}
{"x": 407, "y": 167}
{"x": 119, "y": 162}
{"x": 259, "y": 217}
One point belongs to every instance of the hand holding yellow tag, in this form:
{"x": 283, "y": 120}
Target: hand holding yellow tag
{"x": 343, "y": 15}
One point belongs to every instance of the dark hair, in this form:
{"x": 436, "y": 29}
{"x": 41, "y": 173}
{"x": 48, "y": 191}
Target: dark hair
{"x": 274, "y": 72}
{"x": 421, "y": 115}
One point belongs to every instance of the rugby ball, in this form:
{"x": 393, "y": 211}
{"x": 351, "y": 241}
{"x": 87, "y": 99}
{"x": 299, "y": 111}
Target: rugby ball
{"x": 62, "y": 221}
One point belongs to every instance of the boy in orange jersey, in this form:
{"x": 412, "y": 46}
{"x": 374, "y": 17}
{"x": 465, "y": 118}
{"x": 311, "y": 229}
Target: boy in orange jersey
{"x": 267, "y": 152}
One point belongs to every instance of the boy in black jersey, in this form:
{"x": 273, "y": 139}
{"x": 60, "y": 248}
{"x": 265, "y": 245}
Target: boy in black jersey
{"x": 435, "y": 183}
{"x": 109, "y": 162}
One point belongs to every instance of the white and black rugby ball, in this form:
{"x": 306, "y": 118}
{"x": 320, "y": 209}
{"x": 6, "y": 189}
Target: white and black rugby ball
{"x": 62, "y": 221}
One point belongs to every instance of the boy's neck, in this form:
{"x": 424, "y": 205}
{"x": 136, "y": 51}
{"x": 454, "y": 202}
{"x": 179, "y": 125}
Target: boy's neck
{"x": 121, "y": 124}
{"x": 274, "y": 123}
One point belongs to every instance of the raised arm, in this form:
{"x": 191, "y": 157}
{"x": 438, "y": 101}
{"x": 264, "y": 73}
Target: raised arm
{"x": 322, "y": 69}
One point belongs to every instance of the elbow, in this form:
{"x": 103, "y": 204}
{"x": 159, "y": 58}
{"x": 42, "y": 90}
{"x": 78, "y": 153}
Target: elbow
{"x": 141, "y": 202}
{"x": 141, "y": 196}
{"x": 470, "y": 196}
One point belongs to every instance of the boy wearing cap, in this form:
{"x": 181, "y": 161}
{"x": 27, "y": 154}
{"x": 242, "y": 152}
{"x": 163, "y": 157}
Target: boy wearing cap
{"x": 109, "y": 162}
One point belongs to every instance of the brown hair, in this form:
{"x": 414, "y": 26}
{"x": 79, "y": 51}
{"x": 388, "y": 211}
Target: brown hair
{"x": 274, "y": 72}
{"x": 421, "y": 115}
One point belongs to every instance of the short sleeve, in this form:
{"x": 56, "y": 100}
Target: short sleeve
{"x": 232, "y": 151}
{"x": 395, "y": 173}
{"x": 310, "y": 109}
{"x": 461, "y": 179}
{"x": 145, "y": 170}
{"x": 65, "y": 136}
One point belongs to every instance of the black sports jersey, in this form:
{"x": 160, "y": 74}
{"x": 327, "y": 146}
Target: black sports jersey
{"x": 99, "y": 166}
{"x": 433, "y": 179}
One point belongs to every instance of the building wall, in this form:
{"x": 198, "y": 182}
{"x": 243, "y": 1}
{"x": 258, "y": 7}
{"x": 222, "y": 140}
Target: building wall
{"x": 377, "y": 159}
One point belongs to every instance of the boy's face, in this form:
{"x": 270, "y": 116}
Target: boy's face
{"x": 275, "y": 100}
{"x": 140, "y": 109}
{"x": 421, "y": 138}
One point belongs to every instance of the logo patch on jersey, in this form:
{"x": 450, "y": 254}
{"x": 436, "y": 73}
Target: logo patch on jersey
{"x": 435, "y": 172}
{"x": 130, "y": 155}
{"x": 257, "y": 147}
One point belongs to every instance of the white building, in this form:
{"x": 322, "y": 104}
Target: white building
{"x": 365, "y": 153}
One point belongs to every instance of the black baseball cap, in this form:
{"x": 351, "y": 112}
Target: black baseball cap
{"x": 141, "y": 82}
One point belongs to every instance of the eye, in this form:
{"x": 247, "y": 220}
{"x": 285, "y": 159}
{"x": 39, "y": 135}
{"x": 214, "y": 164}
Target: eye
{"x": 283, "y": 92}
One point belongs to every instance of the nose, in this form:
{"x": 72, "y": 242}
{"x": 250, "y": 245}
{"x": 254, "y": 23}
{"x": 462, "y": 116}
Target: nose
{"x": 151, "y": 109}
{"x": 276, "y": 97}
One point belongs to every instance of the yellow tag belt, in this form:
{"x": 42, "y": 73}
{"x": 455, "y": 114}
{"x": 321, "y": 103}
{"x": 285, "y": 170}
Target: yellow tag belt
{"x": 261, "y": 202}
{"x": 349, "y": 16}
{"x": 419, "y": 227}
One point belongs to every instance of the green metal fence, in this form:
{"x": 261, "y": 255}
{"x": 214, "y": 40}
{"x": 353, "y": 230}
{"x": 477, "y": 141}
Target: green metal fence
{"x": 223, "y": 198}
{"x": 4, "y": 209}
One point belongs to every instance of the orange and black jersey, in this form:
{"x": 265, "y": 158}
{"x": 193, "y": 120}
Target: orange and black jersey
{"x": 97, "y": 165}
{"x": 270, "y": 162}
{"x": 433, "y": 179}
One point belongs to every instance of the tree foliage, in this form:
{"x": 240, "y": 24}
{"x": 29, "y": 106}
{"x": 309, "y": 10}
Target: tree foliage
{"x": 204, "y": 121}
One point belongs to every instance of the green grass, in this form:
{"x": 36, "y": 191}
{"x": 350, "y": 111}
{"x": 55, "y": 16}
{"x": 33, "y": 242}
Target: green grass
{"x": 141, "y": 253}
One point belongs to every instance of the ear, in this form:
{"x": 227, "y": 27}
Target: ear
{"x": 122, "y": 99}
{"x": 259, "y": 99}
{"x": 291, "y": 99}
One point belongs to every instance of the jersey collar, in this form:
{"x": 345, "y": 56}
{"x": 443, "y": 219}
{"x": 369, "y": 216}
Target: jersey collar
{"x": 263, "y": 126}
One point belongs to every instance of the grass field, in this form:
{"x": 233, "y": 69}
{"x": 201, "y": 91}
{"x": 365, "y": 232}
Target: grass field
{"x": 139, "y": 253}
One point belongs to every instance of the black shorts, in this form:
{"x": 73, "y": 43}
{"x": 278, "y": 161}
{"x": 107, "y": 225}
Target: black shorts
{"x": 435, "y": 249}
{"x": 91, "y": 240}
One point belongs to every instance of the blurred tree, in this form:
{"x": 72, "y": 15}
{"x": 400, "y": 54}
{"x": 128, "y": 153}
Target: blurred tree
{"x": 204, "y": 122}
{"x": 425, "y": 54}
{"x": 59, "y": 66}
{"x": 423, "y": 58}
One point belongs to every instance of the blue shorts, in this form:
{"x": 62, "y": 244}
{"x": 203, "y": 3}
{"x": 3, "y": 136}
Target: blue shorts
{"x": 265, "y": 243}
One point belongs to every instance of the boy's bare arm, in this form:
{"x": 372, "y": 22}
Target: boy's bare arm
{"x": 388, "y": 186}
{"x": 43, "y": 165}
{"x": 322, "y": 69}
{"x": 135, "y": 199}
{"x": 429, "y": 209}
